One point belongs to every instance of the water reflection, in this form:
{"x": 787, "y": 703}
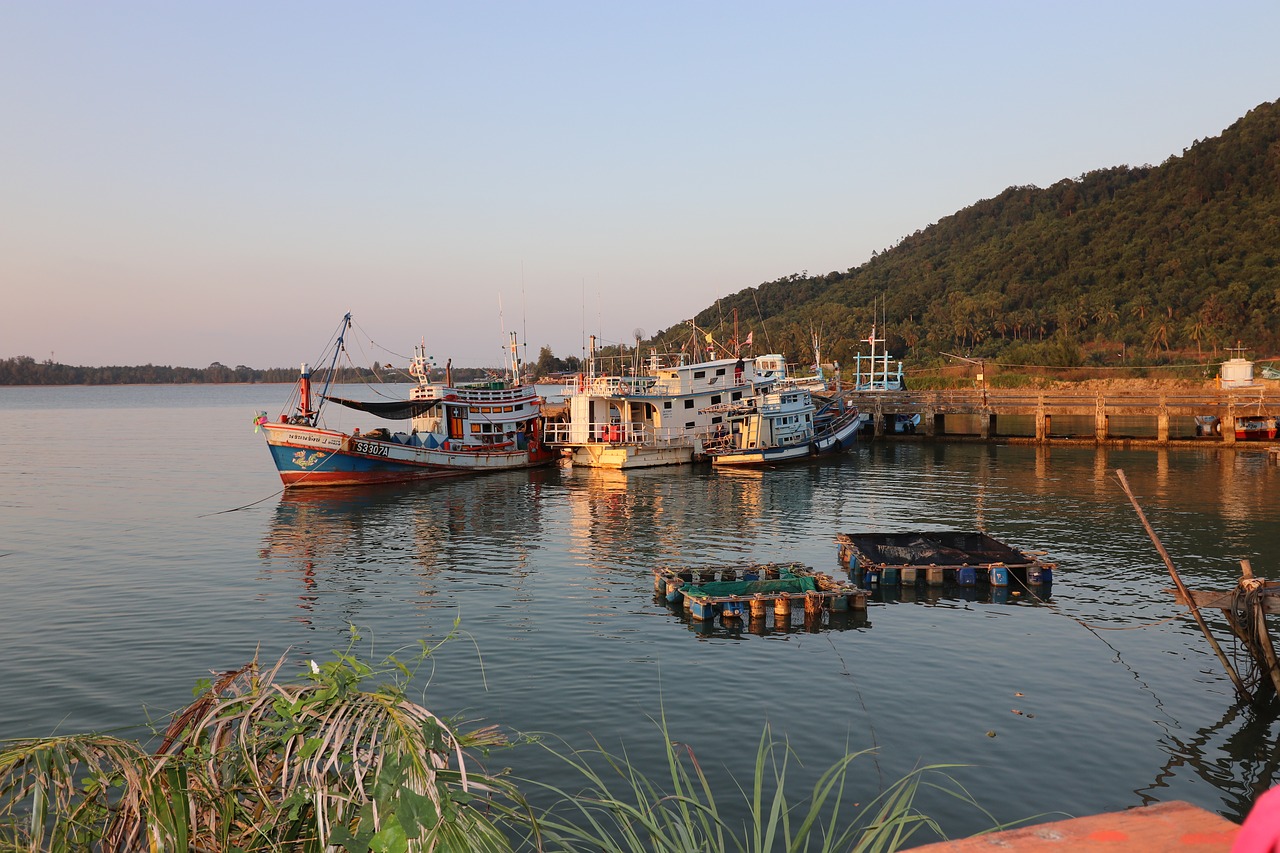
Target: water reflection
{"x": 1227, "y": 755}
{"x": 353, "y": 542}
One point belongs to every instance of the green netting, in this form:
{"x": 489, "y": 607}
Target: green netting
{"x": 719, "y": 589}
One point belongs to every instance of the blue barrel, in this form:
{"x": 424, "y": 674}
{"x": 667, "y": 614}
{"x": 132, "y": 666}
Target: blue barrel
{"x": 733, "y": 610}
{"x": 999, "y": 575}
{"x": 890, "y": 576}
{"x": 702, "y": 609}
{"x": 966, "y": 576}
{"x": 872, "y": 577}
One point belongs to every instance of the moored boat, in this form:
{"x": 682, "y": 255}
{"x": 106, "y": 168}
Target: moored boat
{"x": 455, "y": 430}
{"x": 882, "y": 373}
{"x": 660, "y": 413}
{"x": 1256, "y": 429}
{"x": 780, "y": 424}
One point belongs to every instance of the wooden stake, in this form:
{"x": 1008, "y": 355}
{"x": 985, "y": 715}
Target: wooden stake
{"x": 1186, "y": 594}
{"x": 1260, "y": 630}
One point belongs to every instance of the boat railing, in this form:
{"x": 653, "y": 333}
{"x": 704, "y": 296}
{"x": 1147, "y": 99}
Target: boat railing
{"x": 614, "y": 433}
{"x": 608, "y": 386}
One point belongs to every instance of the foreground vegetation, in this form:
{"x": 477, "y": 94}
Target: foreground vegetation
{"x": 328, "y": 762}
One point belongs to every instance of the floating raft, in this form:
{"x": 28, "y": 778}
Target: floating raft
{"x": 756, "y": 589}
{"x": 938, "y": 556}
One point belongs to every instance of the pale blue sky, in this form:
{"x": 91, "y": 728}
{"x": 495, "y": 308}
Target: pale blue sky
{"x": 198, "y": 181}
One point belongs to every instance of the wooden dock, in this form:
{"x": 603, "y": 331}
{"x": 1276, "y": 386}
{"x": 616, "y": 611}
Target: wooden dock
{"x": 989, "y": 405}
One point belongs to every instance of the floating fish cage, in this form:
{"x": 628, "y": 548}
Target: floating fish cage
{"x": 756, "y": 590}
{"x": 936, "y": 558}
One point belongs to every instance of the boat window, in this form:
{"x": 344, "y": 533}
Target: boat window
{"x": 508, "y": 408}
{"x": 720, "y": 372}
{"x": 688, "y": 404}
{"x": 699, "y": 374}
{"x": 715, "y": 420}
{"x": 737, "y": 395}
{"x": 689, "y": 425}
{"x": 715, "y": 398}
{"x": 667, "y": 404}
{"x": 475, "y": 410}
{"x": 475, "y": 427}
{"x": 519, "y": 407}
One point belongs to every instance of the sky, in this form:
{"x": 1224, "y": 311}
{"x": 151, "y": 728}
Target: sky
{"x": 185, "y": 183}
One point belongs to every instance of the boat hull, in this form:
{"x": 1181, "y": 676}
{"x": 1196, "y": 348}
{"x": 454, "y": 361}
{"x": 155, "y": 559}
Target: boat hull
{"x": 763, "y": 456}
{"x": 1256, "y": 430}
{"x": 311, "y": 456}
{"x": 628, "y": 456}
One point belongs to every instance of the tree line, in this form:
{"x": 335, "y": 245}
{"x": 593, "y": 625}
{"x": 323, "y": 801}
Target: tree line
{"x": 1146, "y": 264}
{"x": 24, "y": 370}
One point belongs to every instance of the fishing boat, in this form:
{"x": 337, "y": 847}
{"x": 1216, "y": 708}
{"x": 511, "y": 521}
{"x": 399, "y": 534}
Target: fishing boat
{"x": 654, "y": 411}
{"x": 1237, "y": 373}
{"x": 882, "y": 373}
{"x": 454, "y": 430}
{"x": 1256, "y": 429}
{"x": 780, "y": 424}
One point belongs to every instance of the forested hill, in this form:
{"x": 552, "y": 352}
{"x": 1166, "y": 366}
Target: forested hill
{"x": 1156, "y": 262}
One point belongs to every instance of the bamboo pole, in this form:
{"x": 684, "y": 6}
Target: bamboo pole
{"x": 1186, "y": 594}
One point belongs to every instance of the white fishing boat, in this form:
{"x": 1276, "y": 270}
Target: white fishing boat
{"x": 882, "y": 373}
{"x": 456, "y": 429}
{"x": 781, "y": 424}
{"x": 655, "y": 411}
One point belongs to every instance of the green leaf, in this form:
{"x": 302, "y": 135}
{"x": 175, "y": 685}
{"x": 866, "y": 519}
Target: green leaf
{"x": 390, "y": 839}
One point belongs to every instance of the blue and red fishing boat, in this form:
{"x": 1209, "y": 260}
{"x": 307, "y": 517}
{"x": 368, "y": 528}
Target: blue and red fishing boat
{"x": 453, "y": 430}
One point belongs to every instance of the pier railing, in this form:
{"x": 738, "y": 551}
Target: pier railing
{"x": 1228, "y": 406}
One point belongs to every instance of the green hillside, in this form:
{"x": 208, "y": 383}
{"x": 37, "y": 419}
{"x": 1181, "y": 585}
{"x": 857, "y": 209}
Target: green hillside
{"x": 1147, "y": 264}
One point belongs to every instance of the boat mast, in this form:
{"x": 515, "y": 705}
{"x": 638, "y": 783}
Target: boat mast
{"x": 871, "y": 379}
{"x": 817, "y": 352}
{"x": 305, "y": 408}
{"x": 514, "y": 367}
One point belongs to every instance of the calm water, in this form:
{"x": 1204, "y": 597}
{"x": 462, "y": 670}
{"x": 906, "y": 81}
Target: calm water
{"x": 123, "y": 582}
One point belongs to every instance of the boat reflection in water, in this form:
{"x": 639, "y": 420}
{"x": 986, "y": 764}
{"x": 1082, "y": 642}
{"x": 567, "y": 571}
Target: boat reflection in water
{"x": 362, "y": 544}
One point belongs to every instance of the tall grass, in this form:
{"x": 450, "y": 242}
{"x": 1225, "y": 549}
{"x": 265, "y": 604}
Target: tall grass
{"x": 259, "y": 764}
{"x": 619, "y": 808}
{"x": 324, "y": 762}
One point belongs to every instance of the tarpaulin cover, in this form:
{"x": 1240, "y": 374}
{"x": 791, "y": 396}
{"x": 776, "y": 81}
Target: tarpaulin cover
{"x": 719, "y": 589}
{"x": 935, "y": 548}
{"x": 395, "y": 410}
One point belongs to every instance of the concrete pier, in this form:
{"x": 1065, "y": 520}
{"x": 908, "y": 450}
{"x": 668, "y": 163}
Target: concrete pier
{"x": 988, "y": 406}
